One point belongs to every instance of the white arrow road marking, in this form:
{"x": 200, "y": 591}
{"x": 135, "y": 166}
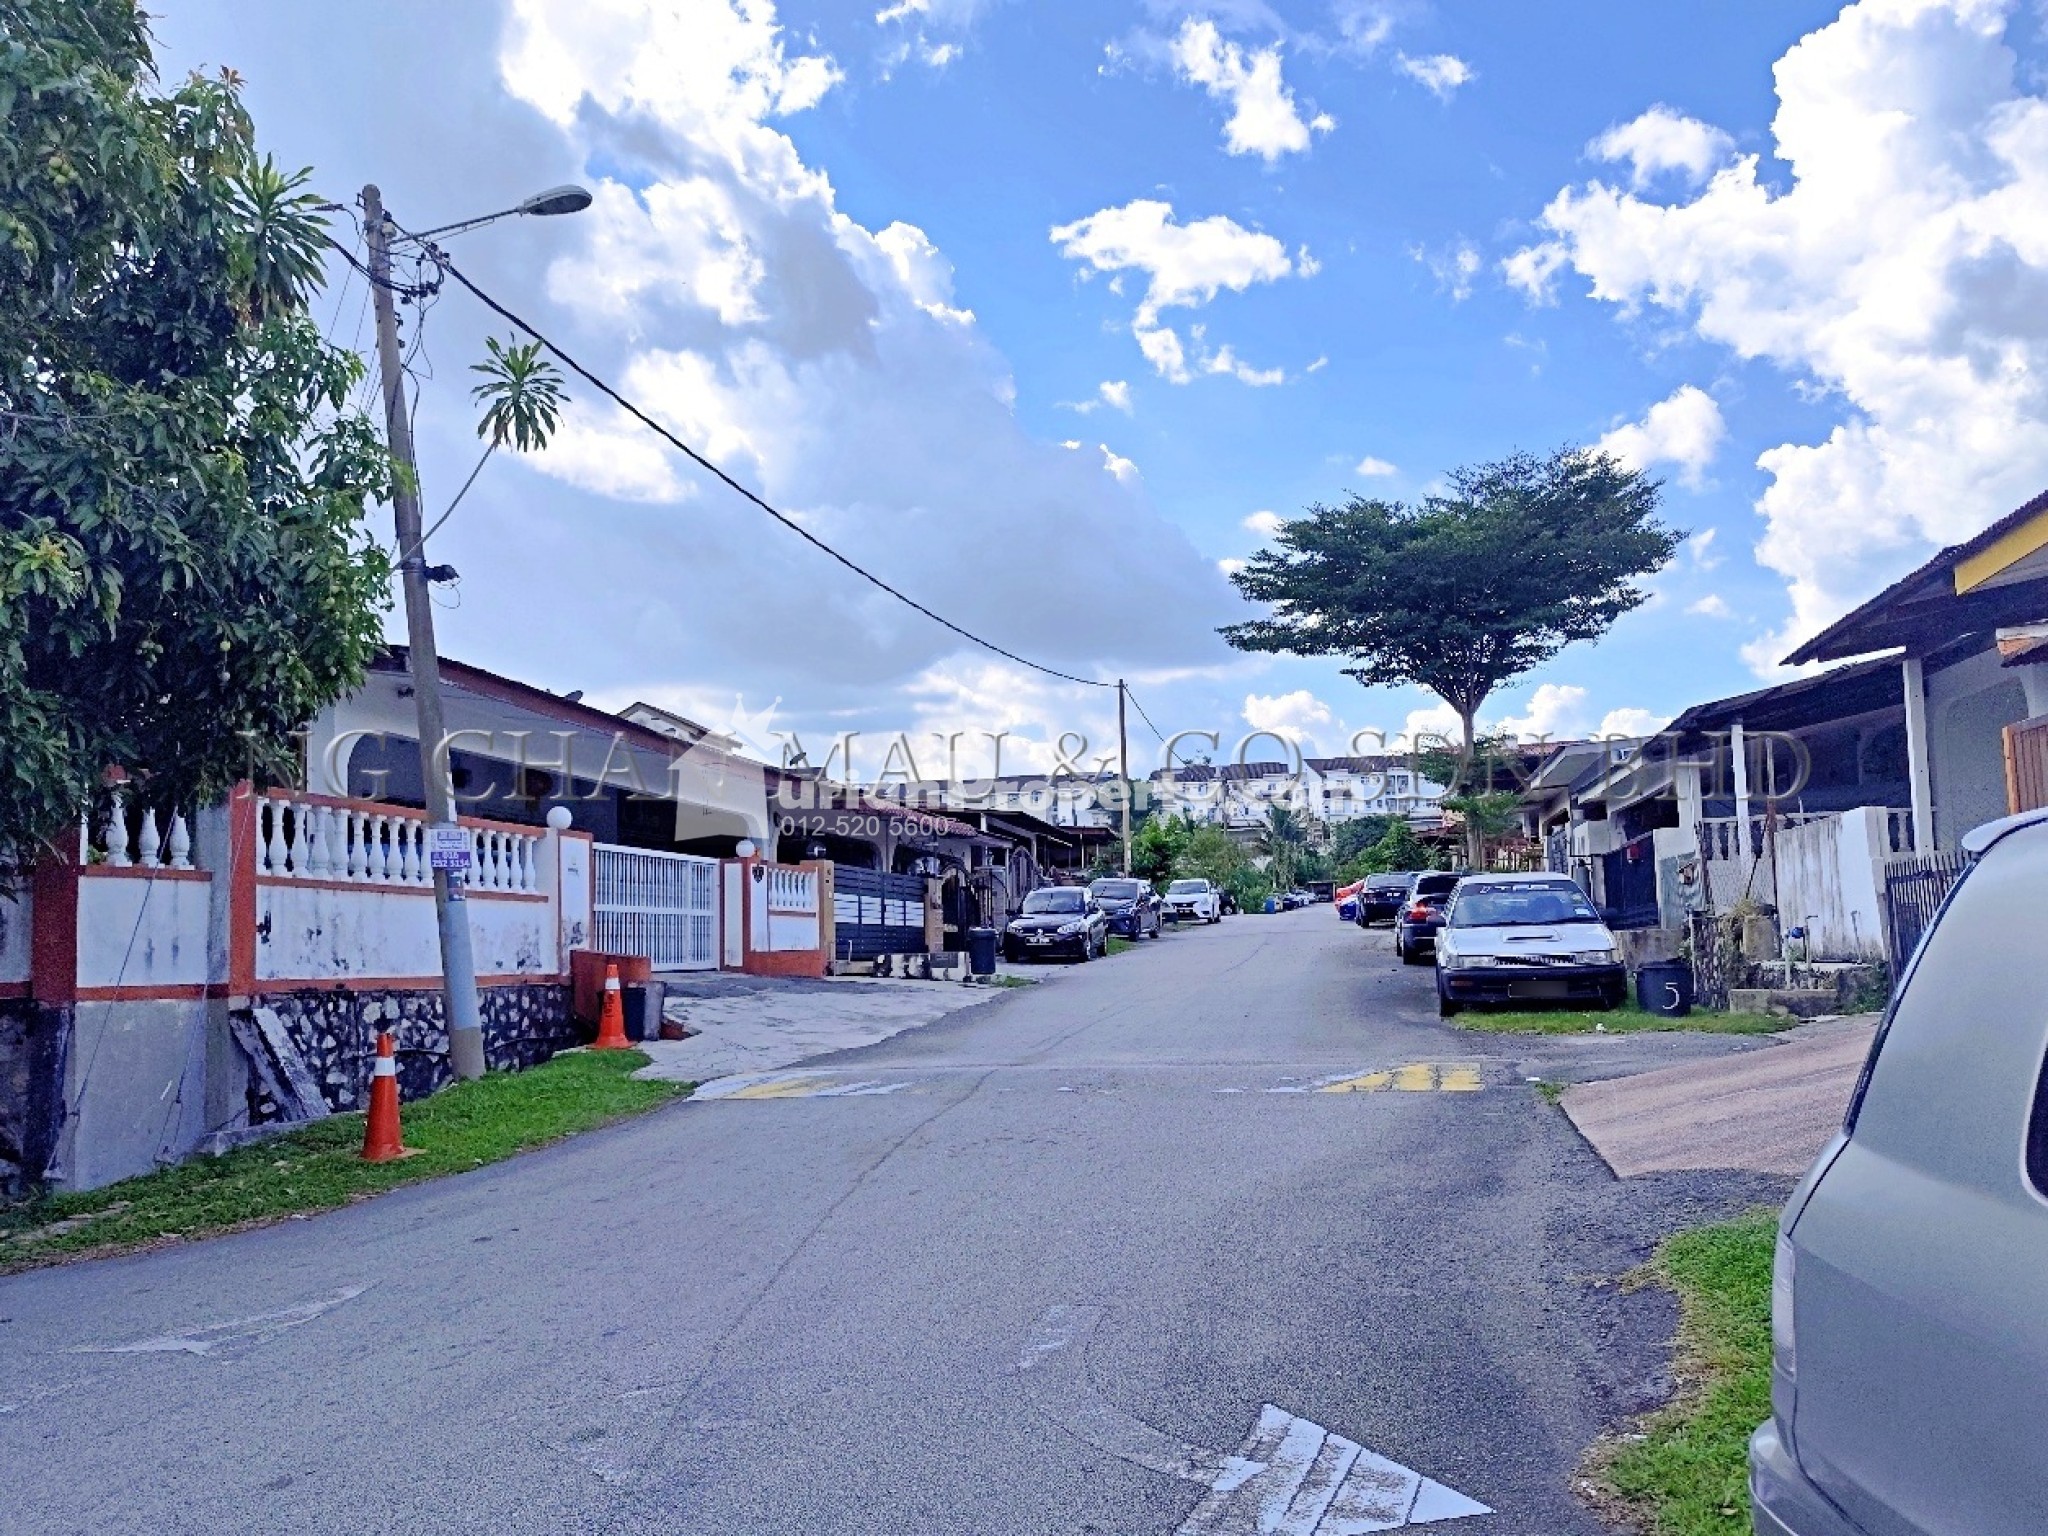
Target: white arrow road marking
{"x": 1290, "y": 1477}
{"x": 792, "y": 1085}
{"x": 218, "y": 1337}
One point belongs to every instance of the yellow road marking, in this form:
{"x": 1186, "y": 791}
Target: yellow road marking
{"x": 1371, "y": 1082}
{"x": 1460, "y": 1079}
{"x": 787, "y": 1088}
{"x": 1418, "y": 1078}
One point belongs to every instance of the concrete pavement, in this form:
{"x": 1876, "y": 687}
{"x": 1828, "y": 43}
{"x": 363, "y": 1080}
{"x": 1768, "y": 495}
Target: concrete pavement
{"x": 1771, "y": 1110}
{"x": 1225, "y": 1227}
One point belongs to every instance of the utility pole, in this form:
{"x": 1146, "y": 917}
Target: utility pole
{"x": 1123, "y": 742}
{"x": 451, "y": 908}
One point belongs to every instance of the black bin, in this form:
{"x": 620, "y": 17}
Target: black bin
{"x": 1665, "y": 987}
{"x": 981, "y": 951}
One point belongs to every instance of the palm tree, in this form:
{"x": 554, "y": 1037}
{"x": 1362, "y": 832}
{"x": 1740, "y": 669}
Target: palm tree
{"x": 1285, "y": 840}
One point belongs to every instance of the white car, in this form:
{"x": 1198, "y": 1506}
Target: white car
{"x": 1525, "y": 938}
{"x": 1192, "y": 900}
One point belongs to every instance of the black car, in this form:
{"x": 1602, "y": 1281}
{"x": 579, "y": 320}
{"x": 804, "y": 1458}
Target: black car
{"x": 1129, "y": 907}
{"x": 1415, "y": 930}
{"x": 1383, "y": 898}
{"x": 1057, "y": 920}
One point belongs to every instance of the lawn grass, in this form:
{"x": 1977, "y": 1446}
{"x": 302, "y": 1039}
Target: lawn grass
{"x": 1118, "y": 946}
{"x": 464, "y": 1126}
{"x": 1622, "y": 1021}
{"x": 1688, "y": 1473}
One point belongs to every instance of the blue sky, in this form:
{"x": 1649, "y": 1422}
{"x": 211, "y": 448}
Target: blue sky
{"x": 1783, "y": 254}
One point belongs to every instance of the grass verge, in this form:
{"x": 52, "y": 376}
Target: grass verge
{"x": 1622, "y": 1021}
{"x": 1118, "y": 946}
{"x": 464, "y": 1126}
{"x": 1685, "y": 1470}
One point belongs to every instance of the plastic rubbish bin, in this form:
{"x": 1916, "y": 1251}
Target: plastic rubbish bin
{"x": 1272, "y": 903}
{"x": 1665, "y": 987}
{"x": 981, "y": 950}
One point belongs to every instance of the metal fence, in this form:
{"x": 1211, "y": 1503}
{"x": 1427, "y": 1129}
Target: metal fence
{"x": 661, "y": 905}
{"x": 1914, "y": 888}
{"x": 876, "y": 914}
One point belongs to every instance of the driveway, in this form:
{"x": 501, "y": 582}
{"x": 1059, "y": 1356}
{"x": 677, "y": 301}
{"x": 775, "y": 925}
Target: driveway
{"x": 1224, "y": 1234}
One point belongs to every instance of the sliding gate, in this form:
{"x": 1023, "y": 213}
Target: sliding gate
{"x": 876, "y": 914}
{"x": 661, "y": 905}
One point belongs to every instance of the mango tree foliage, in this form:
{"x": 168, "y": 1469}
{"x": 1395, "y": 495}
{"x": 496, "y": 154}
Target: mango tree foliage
{"x": 185, "y": 577}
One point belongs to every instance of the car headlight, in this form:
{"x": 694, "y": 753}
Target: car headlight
{"x": 1606, "y": 956}
{"x": 1458, "y": 962}
{"x": 1068, "y": 930}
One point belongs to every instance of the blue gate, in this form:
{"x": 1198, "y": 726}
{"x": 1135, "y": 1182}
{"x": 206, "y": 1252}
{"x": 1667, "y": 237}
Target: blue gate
{"x": 875, "y": 914}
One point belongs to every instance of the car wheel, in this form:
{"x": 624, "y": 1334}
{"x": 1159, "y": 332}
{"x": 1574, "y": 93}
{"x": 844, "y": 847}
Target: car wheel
{"x": 1445, "y": 1008}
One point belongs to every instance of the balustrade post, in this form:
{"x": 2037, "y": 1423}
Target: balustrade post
{"x": 117, "y": 834}
{"x": 181, "y": 842}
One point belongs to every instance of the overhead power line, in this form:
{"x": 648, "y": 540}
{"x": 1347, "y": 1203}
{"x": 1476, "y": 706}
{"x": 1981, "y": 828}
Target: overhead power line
{"x": 449, "y": 267}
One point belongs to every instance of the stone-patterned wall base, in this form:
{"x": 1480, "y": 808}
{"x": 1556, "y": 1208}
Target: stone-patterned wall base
{"x": 337, "y": 1034}
{"x": 32, "y": 1041}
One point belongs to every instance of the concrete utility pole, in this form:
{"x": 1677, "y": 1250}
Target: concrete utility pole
{"x": 1123, "y": 742}
{"x": 451, "y": 909}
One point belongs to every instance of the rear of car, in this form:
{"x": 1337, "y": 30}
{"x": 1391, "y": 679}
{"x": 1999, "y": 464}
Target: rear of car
{"x": 1525, "y": 939}
{"x": 1422, "y": 915}
{"x": 1383, "y": 898}
{"x": 1188, "y": 901}
{"x": 1909, "y": 1382}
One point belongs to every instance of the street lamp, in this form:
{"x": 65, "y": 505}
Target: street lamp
{"x": 451, "y": 907}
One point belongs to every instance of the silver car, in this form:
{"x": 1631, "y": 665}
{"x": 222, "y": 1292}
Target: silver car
{"x": 1909, "y": 1383}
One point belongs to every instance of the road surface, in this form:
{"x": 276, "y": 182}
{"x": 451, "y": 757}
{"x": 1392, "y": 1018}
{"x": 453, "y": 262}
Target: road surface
{"x": 1224, "y": 1234}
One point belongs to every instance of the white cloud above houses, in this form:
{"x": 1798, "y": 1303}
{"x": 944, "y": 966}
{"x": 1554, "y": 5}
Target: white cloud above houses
{"x": 1185, "y": 265}
{"x": 1441, "y": 74}
{"x": 1375, "y": 468}
{"x": 1265, "y": 524}
{"x": 1662, "y": 141}
{"x": 1455, "y": 267}
{"x": 1265, "y": 118}
{"x": 1886, "y": 275}
{"x": 1684, "y": 430}
{"x": 827, "y": 364}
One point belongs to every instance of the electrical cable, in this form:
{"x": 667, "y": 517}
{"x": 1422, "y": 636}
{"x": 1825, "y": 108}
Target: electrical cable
{"x": 1143, "y": 716}
{"x": 450, "y": 269}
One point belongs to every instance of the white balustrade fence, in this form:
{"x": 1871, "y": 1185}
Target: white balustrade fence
{"x": 301, "y": 838}
{"x": 661, "y": 905}
{"x": 132, "y": 836}
{"x": 792, "y": 890}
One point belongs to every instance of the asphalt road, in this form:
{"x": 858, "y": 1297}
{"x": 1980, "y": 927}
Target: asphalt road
{"x": 1035, "y": 1269}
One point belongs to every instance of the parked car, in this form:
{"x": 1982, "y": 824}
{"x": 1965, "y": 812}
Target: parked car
{"x": 1056, "y": 920}
{"x": 1347, "y": 898}
{"x": 1422, "y": 914}
{"x": 1191, "y": 900}
{"x": 1909, "y": 1371}
{"x": 1525, "y": 938}
{"x": 1228, "y": 900}
{"x": 1129, "y": 907}
{"x": 1293, "y": 901}
{"x": 1383, "y": 897}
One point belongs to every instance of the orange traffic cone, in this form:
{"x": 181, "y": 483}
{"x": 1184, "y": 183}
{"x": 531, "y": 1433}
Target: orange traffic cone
{"x": 381, "y": 1142}
{"x": 611, "y": 1019}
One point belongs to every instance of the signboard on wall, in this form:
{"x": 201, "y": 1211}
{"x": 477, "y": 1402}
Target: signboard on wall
{"x": 448, "y": 848}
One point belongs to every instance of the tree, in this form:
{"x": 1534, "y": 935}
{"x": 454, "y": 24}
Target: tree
{"x": 184, "y": 573}
{"x": 1353, "y": 839}
{"x": 1284, "y": 840}
{"x": 1463, "y": 591}
{"x": 1399, "y": 849}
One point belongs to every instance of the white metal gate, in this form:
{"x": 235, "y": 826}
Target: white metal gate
{"x": 661, "y": 905}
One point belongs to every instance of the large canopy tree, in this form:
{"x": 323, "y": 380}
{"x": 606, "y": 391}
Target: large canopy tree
{"x": 1465, "y": 590}
{"x": 184, "y": 572}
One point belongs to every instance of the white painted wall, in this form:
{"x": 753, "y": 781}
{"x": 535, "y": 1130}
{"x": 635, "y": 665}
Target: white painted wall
{"x": 138, "y": 932}
{"x": 1968, "y": 707}
{"x": 134, "y": 1087}
{"x": 1829, "y": 884}
{"x": 572, "y": 890}
{"x": 322, "y": 934}
{"x": 14, "y": 937}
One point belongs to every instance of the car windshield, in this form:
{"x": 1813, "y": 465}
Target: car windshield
{"x": 1387, "y": 882}
{"x": 1435, "y": 885}
{"x": 1055, "y": 900}
{"x": 1521, "y": 906}
{"x": 1187, "y": 888}
{"x": 1117, "y": 890}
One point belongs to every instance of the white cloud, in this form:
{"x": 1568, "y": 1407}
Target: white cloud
{"x": 1454, "y": 267}
{"x": 1901, "y": 272}
{"x": 1376, "y": 469}
{"x": 1116, "y": 394}
{"x": 1264, "y": 117}
{"x": 1299, "y": 717}
{"x": 1633, "y": 724}
{"x": 1440, "y": 73}
{"x": 1185, "y": 266}
{"x": 1230, "y": 565}
{"x": 919, "y": 26}
{"x": 1265, "y": 524}
{"x": 1534, "y": 269}
{"x": 1554, "y": 711}
{"x": 1712, "y": 606}
{"x": 1686, "y": 430}
{"x": 1701, "y": 548}
{"x": 1318, "y": 365}
{"x": 1119, "y": 466}
{"x": 1663, "y": 140}
{"x": 1224, "y": 360}
{"x": 827, "y": 364}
